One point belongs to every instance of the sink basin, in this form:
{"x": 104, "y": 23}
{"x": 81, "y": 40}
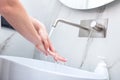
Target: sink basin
{"x": 18, "y": 68}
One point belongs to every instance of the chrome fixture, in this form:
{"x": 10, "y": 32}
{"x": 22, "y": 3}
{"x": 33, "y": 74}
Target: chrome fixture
{"x": 99, "y": 27}
{"x": 96, "y": 26}
{"x": 70, "y": 23}
{"x": 86, "y": 25}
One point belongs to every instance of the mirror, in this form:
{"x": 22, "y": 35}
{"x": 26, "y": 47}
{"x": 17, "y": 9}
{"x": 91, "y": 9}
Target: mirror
{"x": 85, "y": 4}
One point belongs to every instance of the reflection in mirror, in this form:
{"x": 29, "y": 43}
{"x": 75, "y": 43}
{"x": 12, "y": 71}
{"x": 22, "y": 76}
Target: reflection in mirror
{"x": 85, "y": 4}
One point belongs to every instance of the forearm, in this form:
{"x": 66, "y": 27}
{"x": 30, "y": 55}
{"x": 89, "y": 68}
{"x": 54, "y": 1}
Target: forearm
{"x": 20, "y": 20}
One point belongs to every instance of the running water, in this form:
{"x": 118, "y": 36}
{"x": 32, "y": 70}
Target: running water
{"x": 51, "y": 31}
{"x": 85, "y": 53}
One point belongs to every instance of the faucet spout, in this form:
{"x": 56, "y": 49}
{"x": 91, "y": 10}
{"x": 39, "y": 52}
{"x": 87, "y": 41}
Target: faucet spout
{"x": 70, "y": 23}
{"x": 99, "y": 28}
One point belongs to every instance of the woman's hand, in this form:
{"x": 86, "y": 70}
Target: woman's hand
{"x": 45, "y": 44}
{"x": 31, "y": 29}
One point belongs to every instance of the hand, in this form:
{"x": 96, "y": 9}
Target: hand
{"x": 29, "y": 28}
{"x": 57, "y": 57}
{"x": 45, "y": 44}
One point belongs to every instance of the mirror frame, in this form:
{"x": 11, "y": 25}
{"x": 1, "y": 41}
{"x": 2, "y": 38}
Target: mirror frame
{"x": 82, "y": 8}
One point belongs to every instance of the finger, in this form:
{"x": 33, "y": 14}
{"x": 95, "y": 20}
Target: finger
{"x": 41, "y": 48}
{"x": 44, "y": 37}
{"x": 53, "y": 54}
{"x": 59, "y": 58}
{"x": 45, "y": 43}
{"x": 51, "y": 46}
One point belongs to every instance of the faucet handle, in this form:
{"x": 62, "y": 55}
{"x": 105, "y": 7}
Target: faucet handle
{"x": 96, "y": 26}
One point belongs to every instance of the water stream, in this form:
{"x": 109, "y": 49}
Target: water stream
{"x": 88, "y": 43}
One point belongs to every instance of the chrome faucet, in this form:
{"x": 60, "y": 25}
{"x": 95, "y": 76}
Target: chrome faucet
{"x": 70, "y": 23}
{"x": 94, "y": 25}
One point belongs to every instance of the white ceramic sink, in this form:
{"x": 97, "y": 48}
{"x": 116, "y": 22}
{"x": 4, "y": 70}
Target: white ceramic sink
{"x": 17, "y": 68}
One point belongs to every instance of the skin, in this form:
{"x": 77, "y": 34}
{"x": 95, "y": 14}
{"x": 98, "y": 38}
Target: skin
{"x": 30, "y": 28}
